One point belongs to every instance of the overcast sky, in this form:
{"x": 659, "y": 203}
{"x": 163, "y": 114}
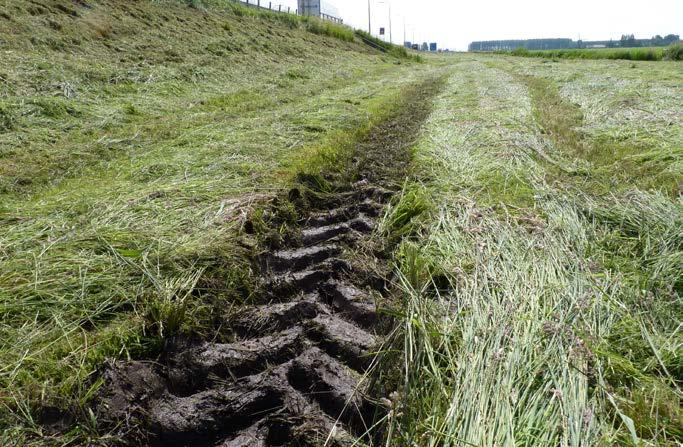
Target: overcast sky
{"x": 454, "y": 24}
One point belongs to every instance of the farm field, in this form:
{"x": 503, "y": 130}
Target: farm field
{"x": 544, "y": 282}
{"x": 469, "y": 249}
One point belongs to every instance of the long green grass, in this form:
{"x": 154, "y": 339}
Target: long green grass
{"x": 326, "y": 28}
{"x": 387, "y": 47}
{"x": 674, "y": 52}
{"x": 630, "y": 54}
{"x": 311, "y": 24}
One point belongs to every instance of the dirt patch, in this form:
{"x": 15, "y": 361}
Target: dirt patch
{"x": 383, "y": 158}
{"x": 293, "y": 374}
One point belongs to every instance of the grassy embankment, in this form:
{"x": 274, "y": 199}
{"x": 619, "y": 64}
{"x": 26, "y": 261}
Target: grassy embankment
{"x": 134, "y": 141}
{"x": 674, "y": 52}
{"x": 544, "y": 275}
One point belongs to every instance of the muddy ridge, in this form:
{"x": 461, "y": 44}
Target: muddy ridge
{"x": 296, "y": 373}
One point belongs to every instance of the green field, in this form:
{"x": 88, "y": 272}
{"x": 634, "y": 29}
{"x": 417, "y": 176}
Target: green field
{"x": 540, "y": 254}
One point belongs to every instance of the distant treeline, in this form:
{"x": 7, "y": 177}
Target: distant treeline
{"x": 626, "y": 41}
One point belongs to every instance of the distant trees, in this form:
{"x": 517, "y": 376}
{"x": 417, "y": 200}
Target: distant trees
{"x": 629, "y": 41}
{"x": 670, "y": 38}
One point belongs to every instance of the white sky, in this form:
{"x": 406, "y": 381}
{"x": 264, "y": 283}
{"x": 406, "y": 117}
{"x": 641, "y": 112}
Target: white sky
{"x": 454, "y": 24}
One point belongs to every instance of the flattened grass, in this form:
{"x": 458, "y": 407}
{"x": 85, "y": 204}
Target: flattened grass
{"x": 649, "y": 158}
{"x": 551, "y": 315}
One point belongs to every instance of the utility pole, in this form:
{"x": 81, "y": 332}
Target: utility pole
{"x": 390, "y": 38}
{"x": 369, "y": 23}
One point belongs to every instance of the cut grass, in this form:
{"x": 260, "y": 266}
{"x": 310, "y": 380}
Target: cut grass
{"x": 129, "y": 165}
{"x": 547, "y": 314}
{"x": 649, "y": 158}
{"x": 541, "y": 257}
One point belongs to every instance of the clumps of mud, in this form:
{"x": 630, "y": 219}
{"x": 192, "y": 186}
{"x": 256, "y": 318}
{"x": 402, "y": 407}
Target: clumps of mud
{"x": 294, "y": 374}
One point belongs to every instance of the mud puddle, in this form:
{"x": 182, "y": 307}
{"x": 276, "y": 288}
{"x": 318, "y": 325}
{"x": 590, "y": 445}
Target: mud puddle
{"x": 296, "y": 373}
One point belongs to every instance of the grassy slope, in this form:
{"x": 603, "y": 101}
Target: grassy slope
{"x": 553, "y": 192}
{"x": 134, "y": 139}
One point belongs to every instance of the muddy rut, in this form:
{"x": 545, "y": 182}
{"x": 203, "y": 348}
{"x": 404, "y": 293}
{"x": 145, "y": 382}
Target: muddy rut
{"x": 296, "y": 372}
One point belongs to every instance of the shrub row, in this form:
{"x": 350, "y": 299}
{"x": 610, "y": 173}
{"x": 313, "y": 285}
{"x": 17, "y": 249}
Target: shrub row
{"x": 673, "y": 52}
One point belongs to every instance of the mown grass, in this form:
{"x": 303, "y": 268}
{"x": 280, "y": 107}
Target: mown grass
{"x": 645, "y": 154}
{"x": 547, "y": 314}
{"x": 130, "y": 162}
{"x": 636, "y": 235}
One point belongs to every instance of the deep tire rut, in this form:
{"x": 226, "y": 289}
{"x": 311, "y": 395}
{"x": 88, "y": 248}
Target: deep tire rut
{"x": 294, "y": 375}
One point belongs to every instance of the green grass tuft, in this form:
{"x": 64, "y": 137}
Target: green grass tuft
{"x": 325, "y": 28}
{"x": 56, "y": 108}
{"x": 8, "y": 118}
{"x": 406, "y": 216}
{"x": 674, "y": 52}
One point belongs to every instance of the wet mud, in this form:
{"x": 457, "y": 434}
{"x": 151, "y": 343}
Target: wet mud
{"x": 293, "y": 374}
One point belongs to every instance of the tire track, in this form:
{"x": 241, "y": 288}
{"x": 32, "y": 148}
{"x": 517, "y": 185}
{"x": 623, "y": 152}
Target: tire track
{"x": 294, "y": 374}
